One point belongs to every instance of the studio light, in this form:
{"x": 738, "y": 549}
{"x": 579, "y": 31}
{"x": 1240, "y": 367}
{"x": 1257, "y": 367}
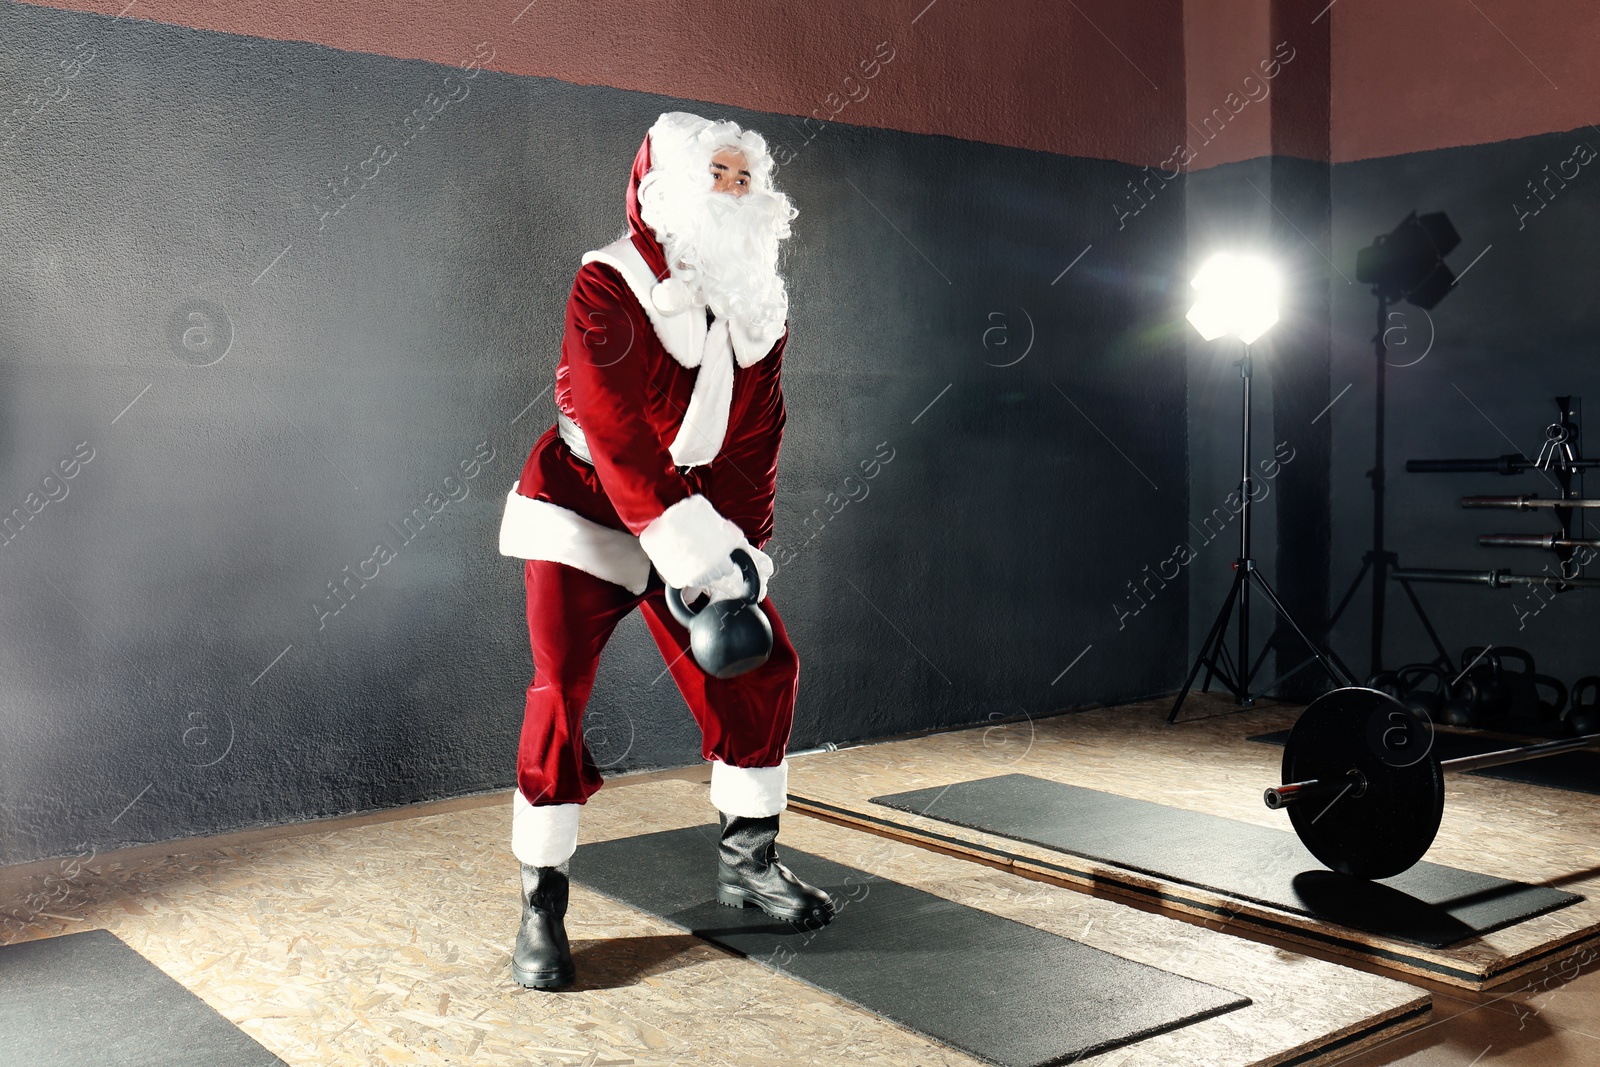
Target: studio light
{"x": 1237, "y": 296}
{"x": 1407, "y": 263}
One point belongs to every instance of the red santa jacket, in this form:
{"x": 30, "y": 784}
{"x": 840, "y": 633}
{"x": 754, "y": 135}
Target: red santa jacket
{"x": 666, "y": 405}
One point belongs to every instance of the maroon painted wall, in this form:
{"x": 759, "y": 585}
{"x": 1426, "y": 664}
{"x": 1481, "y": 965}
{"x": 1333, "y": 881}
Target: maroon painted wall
{"x": 1098, "y": 78}
{"x": 1441, "y": 73}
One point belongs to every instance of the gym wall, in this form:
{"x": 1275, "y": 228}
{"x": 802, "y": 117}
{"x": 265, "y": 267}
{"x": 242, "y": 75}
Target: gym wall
{"x": 242, "y": 348}
{"x": 1439, "y": 108}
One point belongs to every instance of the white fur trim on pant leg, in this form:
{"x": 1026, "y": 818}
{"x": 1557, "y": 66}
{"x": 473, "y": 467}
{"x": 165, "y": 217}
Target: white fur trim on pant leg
{"x": 689, "y": 540}
{"x": 543, "y": 836}
{"x": 749, "y": 792}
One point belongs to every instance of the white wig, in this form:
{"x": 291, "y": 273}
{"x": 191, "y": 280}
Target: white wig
{"x": 681, "y": 146}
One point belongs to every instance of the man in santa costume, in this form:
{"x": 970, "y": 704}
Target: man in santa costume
{"x": 662, "y": 462}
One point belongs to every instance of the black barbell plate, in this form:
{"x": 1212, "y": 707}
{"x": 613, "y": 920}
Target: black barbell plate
{"x": 1386, "y": 828}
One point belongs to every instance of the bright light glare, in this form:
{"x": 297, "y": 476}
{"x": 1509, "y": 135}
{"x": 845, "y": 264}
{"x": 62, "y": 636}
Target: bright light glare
{"x": 1238, "y": 295}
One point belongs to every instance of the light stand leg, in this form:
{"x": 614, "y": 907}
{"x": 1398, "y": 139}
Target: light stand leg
{"x": 1212, "y": 651}
{"x": 1317, "y": 655}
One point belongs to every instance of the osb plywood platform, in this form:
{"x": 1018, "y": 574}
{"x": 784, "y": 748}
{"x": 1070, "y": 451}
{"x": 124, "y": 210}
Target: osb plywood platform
{"x": 1540, "y": 836}
{"x": 389, "y": 942}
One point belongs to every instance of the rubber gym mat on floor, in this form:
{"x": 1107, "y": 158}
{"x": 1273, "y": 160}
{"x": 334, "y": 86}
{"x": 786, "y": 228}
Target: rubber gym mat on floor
{"x": 89, "y": 998}
{"x": 998, "y": 989}
{"x": 1577, "y": 772}
{"x": 1428, "y": 905}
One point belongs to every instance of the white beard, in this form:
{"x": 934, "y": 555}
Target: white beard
{"x": 724, "y": 247}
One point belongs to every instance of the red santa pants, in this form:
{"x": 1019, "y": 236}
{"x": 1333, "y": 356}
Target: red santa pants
{"x": 744, "y": 721}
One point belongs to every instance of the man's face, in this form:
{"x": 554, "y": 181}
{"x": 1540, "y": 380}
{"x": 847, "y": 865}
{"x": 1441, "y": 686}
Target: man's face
{"x": 729, "y": 172}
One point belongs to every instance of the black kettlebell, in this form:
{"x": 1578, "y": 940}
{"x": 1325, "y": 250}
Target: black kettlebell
{"x": 1387, "y": 682}
{"x": 1522, "y": 685}
{"x": 728, "y": 637}
{"x": 1583, "y": 716}
{"x": 1428, "y": 703}
{"x": 1551, "y": 710}
{"x": 1488, "y": 675}
{"x": 1461, "y": 705}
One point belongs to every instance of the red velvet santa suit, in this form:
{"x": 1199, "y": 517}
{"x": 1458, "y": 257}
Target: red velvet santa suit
{"x": 667, "y": 408}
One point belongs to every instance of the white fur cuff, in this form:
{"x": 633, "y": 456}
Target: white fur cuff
{"x": 538, "y": 529}
{"x": 689, "y": 541}
{"x": 749, "y": 792}
{"x": 543, "y": 836}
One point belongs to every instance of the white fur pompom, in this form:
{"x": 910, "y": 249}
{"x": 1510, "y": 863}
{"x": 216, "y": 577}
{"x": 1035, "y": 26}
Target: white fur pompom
{"x": 670, "y": 297}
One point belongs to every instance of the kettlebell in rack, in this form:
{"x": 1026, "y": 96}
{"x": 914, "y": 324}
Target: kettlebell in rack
{"x": 1387, "y": 682}
{"x": 1426, "y": 702}
{"x": 1583, "y": 716}
{"x": 1550, "y": 710}
{"x": 727, "y": 637}
{"x": 1461, "y": 704}
{"x": 1487, "y": 673}
{"x": 1524, "y": 701}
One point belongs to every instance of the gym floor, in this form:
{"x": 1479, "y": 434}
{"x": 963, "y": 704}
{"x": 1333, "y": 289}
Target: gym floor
{"x": 385, "y": 938}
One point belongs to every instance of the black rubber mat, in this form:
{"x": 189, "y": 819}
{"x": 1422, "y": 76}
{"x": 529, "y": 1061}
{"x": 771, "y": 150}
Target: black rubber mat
{"x": 1428, "y": 905}
{"x": 997, "y": 989}
{"x": 90, "y": 999}
{"x": 1577, "y": 772}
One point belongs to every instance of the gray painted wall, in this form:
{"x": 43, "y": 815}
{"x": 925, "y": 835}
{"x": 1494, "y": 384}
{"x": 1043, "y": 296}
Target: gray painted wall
{"x": 1521, "y": 327}
{"x": 171, "y": 664}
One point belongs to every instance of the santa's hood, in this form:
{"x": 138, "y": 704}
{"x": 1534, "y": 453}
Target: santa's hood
{"x": 643, "y": 238}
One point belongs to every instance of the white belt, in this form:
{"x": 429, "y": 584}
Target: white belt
{"x": 572, "y": 434}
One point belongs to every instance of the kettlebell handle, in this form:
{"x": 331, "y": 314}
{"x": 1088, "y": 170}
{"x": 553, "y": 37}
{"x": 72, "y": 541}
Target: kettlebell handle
{"x": 1555, "y": 707}
{"x": 1410, "y": 677}
{"x": 752, "y": 589}
{"x": 1477, "y": 656}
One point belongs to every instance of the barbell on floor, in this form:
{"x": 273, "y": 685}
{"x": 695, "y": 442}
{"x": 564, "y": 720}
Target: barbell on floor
{"x": 1365, "y": 790}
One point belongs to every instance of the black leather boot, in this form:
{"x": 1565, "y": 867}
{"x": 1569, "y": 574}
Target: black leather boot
{"x": 748, "y": 872}
{"x": 542, "y": 958}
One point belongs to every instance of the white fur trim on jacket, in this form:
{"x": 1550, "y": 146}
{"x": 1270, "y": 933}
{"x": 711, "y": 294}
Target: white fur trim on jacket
{"x": 543, "y": 836}
{"x": 538, "y": 529}
{"x": 749, "y": 792}
{"x": 690, "y": 541}
{"x": 705, "y": 420}
{"x": 683, "y": 334}
{"x": 680, "y": 323}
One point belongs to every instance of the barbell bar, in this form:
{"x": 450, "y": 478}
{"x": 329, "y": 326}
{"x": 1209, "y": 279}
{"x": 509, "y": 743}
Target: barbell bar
{"x": 1527, "y": 502}
{"x": 1544, "y": 540}
{"x": 1364, "y": 789}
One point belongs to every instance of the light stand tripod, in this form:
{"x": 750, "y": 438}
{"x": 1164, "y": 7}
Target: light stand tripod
{"x": 1404, "y": 264}
{"x": 1237, "y": 673}
{"x": 1380, "y": 562}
